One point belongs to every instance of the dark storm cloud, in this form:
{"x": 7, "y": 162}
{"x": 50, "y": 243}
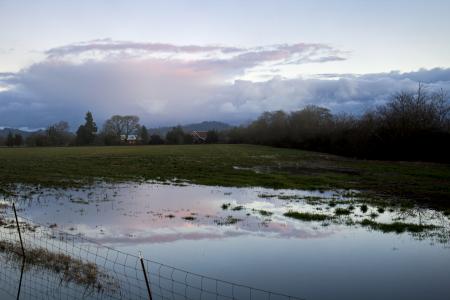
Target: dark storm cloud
{"x": 434, "y": 75}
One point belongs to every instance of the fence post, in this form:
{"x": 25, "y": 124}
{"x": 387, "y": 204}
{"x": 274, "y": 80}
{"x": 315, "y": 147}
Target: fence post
{"x": 18, "y": 229}
{"x": 21, "y": 275}
{"x": 145, "y": 276}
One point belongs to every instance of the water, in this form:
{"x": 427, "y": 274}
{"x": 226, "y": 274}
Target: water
{"x": 187, "y": 226}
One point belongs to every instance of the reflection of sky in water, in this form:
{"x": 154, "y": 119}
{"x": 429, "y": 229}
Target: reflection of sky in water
{"x": 154, "y": 213}
{"x": 272, "y": 252}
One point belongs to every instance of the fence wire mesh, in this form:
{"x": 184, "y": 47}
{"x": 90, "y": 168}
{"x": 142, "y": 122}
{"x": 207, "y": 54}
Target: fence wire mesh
{"x": 60, "y": 265}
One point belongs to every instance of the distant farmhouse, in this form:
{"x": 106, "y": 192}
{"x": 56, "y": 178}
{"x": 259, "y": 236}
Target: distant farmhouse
{"x": 199, "y": 137}
{"x": 131, "y": 139}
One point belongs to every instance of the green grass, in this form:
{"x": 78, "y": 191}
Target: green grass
{"x": 305, "y": 216}
{"x": 226, "y": 165}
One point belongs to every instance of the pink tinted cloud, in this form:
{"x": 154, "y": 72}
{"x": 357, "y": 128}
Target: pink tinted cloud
{"x": 105, "y": 45}
{"x": 217, "y": 57}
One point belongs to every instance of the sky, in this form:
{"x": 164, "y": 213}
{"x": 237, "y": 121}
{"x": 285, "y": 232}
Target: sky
{"x": 176, "y": 62}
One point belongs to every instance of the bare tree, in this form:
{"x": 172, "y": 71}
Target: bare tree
{"x": 118, "y": 126}
{"x": 58, "y": 134}
{"x": 410, "y": 126}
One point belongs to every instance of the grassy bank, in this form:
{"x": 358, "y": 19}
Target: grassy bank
{"x": 229, "y": 165}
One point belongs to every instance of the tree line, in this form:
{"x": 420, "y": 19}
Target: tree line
{"x": 117, "y": 130}
{"x": 411, "y": 126}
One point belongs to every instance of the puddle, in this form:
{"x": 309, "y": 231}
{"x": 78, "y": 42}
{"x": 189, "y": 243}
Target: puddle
{"x": 315, "y": 245}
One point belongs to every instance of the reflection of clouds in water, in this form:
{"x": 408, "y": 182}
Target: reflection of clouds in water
{"x": 205, "y": 232}
{"x": 130, "y": 212}
{"x": 139, "y": 213}
{"x": 285, "y": 230}
{"x": 169, "y": 237}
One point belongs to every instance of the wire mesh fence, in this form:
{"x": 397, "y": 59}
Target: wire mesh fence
{"x": 59, "y": 265}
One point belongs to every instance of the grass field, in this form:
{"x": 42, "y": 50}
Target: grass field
{"x": 228, "y": 165}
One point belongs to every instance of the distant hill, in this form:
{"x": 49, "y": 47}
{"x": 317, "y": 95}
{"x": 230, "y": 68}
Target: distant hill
{"x": 4, "y": 132}
{"x": 203, "y": 126}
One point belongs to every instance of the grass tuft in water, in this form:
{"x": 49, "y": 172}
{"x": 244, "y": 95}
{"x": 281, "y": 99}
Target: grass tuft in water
{"x": 237, "y": 208}
{"x": 267, "y": 195}
{"x": 227, "y": 221}
{"x": 342, "y": 211}
{"x": 313, "y": 199}
{"x": 305, "y": 216}
{"x": 397, "y": 227}
{"x": 373, "y": 215}
{"x": 289, "y": 197}
{"x": 265, "y": 213}
{"x": 364, "y": 208}
{"x": 80, "y": 201}
{"x": 225, "y": 206}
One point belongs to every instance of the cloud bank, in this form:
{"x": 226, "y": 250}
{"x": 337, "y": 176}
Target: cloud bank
{"x": 168, "y": 84}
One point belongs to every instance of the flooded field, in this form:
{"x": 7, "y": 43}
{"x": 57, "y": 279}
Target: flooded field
{"x": 314, "y": 245}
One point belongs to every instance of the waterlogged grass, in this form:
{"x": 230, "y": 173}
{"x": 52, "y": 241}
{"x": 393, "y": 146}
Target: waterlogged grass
{"x": 80, "y": 201}
{"x": 364, "y": 208}
{"x": 229, "y": 220}
{"x": 397, "y": 227}
{"x": 265, "y": 213}
{"x": 380, "y": 210}
{"x": 342, "y": 211}
{"x": 225, "y": 165}
{"x": 436, "y": 233}
{"x": 332, "y": 204}
{"x": 373, "y": 215}
{"x": 268, "y": 196}
{"x": 306, "y": 216}
{"x": 290, "y": 197}
{"x": 71, "y": 269}
{"x": 225, "y": 206}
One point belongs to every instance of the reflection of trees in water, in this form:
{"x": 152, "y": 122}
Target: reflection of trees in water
{"x": 421, "y": 223}
{"x": 430, "y": 224}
